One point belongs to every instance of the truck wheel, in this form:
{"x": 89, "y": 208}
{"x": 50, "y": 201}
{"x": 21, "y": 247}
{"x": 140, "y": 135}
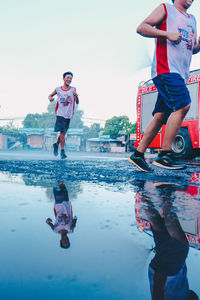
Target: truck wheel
{"x": 182, "y": 146}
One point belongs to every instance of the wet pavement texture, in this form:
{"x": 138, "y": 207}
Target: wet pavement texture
{"x": 107, "y": 216}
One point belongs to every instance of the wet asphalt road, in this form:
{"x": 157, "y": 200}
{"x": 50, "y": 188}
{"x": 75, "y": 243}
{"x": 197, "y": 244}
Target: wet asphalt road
{"x": 95, "y": 168}
{"x": 108, "y": 257}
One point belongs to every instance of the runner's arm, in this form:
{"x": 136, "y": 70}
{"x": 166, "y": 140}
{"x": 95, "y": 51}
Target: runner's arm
{"x": 148, "y": 27}
{"x": 49, "y": 222}
{"x": 76, "y": 97}
{"x": 196, "y": 48}
{"x": 50, "y": 97}
{"x": 74, "y": 223}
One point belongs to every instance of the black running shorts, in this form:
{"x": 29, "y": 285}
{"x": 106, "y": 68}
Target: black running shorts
{"x": 61, "y": 124}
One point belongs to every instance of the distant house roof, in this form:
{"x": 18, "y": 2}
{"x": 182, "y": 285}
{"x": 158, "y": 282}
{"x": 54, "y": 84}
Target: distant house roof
{"x": 100, "y": 140}
{"x": 32, "y": 131}
{"x": 47, "y": 131}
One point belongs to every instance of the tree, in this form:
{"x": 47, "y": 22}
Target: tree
{"x": 92, "y": 131}
{"x": 131, "y": 128}
{"x": 47, "y": 120}
{"x": 114, "y": 125}
{"x": 13, "y": 131}
{"x": 76, "y": 121}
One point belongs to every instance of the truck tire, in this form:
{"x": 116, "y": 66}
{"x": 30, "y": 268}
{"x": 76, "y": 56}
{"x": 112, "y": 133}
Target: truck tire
{"x": 182, "y": 146}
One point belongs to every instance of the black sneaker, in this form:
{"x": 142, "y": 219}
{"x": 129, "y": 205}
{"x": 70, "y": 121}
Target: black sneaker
{"x": 55, "y": 149}
{"x": 62, "y": 154}
{"x": 167, "y": 161}
{"x": 140, "y": 163}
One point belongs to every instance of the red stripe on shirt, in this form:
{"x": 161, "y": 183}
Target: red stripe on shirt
{"x": 55, "y": 211}
{"x": 73, "y": 103}
{"x": 56, "y": 108}
{"x": 161, "y": 49}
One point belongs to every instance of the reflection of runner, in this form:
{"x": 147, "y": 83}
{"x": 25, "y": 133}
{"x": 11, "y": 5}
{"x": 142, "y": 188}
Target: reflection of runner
{"x": 64, "y": 221}
{"x": 175, "y": 33}
{"x": 67, "y": 97}
{"x": 167, "y": 270}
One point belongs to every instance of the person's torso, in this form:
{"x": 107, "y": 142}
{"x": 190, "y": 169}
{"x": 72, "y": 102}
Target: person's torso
{"x": 59, "y": 209}
{"x": 175, "y": 287}
{"x": 169, "y": 57}
{"x": 65, "y": 103}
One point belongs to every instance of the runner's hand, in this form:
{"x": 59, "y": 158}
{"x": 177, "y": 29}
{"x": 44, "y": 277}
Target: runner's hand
{"x": 75, "y": 94}
{"x": 51, "y": 99}
{"x": 198, "y": 43}
{"x": 174, "y": 37}
{"x": 48, "y": 221}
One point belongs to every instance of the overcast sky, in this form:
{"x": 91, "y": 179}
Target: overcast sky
{"x": 96, "y": 40}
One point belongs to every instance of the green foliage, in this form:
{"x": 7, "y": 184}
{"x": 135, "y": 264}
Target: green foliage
{"x": 131, "y": 128}
{"x": 117, "y": 126}
{"x": 44, "y": 120}
{"x": 47, "y": 120}
{"x": 76, "y": 121}
{"x": 13, "y": 131}
{"x": 92, "y": 131}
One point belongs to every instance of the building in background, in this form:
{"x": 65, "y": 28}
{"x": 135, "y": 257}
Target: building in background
{"x": 3, "y": 141}
{"x": 104, "y": 144}
{"x": 42, "y": 139}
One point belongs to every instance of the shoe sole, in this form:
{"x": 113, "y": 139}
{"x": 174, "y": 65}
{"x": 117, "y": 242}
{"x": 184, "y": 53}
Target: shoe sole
{"x": 165, "y": 167}
{"x": 158, "y": 184}
{"x": 139, "y": 166}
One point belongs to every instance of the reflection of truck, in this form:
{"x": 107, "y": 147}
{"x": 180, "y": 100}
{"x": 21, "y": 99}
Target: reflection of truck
{"x": 187, "y": 141}
{"x": 189, "y": 218}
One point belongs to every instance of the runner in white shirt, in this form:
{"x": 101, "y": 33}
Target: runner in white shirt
{"x": 66, "y": 99}
{"x": 176, "y": 40}
{"x": 64, "y": 221}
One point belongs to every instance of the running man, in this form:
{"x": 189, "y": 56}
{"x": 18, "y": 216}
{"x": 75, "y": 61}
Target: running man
{"x": 175, "y": 33}
{"x": 64, "y": 220}
{"x": 67, "y": 97}
{"x": 167, "y": 270}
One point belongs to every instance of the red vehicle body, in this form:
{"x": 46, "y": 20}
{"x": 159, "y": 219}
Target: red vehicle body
{"x": 187, "y": 141}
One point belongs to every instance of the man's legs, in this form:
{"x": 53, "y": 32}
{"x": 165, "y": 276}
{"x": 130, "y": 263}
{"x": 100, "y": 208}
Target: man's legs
{"x": 62, "y": 144}
{"x": 137, "y": 158}
{"x": 58, "y": 140}
{"x": 151, "y": 131}
{"x": 62, "y": 139}
{"x": 172, "y": 223}
{"x": 172, "y": 127}
{"x": 55, "y": 145}
{"x": 61, "y": 126}
{"x": 165, "y": 158}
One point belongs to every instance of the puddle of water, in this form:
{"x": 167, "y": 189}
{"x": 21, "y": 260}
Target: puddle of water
{"x": 108, "y": 257}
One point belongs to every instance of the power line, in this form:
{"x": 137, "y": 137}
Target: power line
{"x": 21, "y": 118}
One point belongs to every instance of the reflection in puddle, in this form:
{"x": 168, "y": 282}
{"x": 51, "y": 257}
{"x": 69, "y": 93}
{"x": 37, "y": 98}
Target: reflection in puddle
{"x": 64, "y": 221}
{"x": 157, "y": 215}
{"x": 108, "y": 257}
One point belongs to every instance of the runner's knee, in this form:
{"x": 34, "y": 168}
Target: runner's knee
{"x": 159, "y": 117}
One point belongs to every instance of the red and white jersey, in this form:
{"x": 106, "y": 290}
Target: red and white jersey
{"x": 65, "y": 208}
{"x": 169, "y": 57}
{"x": 65, "y": 103}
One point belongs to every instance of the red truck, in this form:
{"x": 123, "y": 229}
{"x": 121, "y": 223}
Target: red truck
{"x": 187, "y": 141}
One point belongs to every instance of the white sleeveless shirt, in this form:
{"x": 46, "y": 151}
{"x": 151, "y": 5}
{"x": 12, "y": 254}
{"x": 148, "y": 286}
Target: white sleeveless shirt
{"x": 169, "y": 57}
{"x": 65, "y": 103}
{"x": 59, "y": 209}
